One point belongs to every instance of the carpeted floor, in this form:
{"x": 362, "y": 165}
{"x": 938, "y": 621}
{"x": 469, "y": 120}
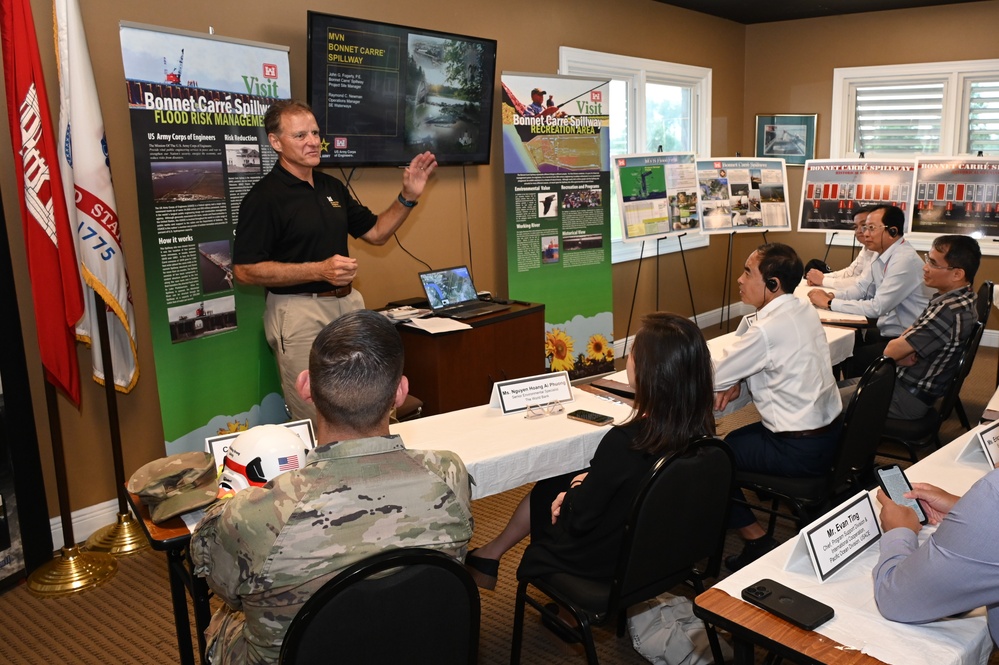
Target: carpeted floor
{"x": 129, "y": 620}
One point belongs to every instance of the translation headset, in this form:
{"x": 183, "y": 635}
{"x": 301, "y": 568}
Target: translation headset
{"x": 771, "y": 283}
{"x": 892, "y": 231}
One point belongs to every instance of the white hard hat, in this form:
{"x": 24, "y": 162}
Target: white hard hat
{"x": 258, "y": 455}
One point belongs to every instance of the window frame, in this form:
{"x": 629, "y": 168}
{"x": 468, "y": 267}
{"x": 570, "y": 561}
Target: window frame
{"x": 636, "y": 72}
{"x": 956, "y": 76}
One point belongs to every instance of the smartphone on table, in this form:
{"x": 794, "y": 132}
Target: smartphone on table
{"x": 893, "y": 481}
{"x": 589, "y": 417}
{"x": 788, "y": 604}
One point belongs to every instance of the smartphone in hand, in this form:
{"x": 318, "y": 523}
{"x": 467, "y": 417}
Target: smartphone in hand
{"x": 788, "y": 604}
{"x": 893, "y": 481}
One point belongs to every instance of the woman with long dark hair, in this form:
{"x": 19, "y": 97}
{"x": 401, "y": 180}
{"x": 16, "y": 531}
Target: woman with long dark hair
{"x": 576, "y": 520}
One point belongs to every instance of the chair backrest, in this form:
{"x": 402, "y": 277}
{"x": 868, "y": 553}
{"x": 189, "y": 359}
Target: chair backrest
{"x": 984, "y": 301}
{"x": 953, "y": 391}
{"x": 864, "y": 422}
{"x": 427, "y": 610}
{"x": 678, "y": 519}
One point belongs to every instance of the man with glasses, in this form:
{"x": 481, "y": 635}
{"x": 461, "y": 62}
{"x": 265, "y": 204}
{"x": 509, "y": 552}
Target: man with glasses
{"x": 292, "y": 239}
{"x": 848, "y": 276}
{"x": 928, "y": 352}
{"x": 890, "y": 290}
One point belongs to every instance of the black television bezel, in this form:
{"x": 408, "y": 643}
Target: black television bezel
{"x": 312, "y": 57}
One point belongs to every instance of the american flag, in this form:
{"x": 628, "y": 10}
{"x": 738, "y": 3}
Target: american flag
{"x": 288, "y": 463}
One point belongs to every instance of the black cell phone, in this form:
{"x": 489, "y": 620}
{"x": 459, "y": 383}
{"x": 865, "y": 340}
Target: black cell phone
{"x": 589, "y": 417}
{"x": 893, "y": 481}
{"x": 788, "y": 604}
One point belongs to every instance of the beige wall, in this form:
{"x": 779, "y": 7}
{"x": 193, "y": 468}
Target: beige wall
{"x": 784, "y": 67}
{"x": 528, "y": 35}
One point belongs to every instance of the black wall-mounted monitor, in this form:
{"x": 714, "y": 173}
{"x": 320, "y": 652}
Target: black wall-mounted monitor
{"x": 383, "y": 93}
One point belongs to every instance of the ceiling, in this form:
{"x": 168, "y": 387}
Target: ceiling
{"x": 753, "y": 11}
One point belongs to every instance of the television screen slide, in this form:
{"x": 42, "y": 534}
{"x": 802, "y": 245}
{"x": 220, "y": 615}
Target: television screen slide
{"x": 383, "y": 93}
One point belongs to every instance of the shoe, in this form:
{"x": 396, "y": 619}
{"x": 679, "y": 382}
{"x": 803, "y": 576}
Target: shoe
{"x": 484, "y": 571}
{"x": 751, "y": 551}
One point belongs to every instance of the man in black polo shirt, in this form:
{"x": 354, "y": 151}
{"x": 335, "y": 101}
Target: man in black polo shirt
{"x": 928, "y": 351}
{"x": 292, "y": 239}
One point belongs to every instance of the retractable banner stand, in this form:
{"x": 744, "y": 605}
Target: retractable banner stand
{"x": 556, "y": 149}
{"x": 197, "y": 104}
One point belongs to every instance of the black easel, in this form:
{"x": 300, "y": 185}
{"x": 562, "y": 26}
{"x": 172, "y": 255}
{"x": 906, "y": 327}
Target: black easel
{"x": 686, "y": 275}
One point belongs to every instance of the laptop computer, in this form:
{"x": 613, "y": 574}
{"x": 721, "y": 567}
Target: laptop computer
{"x": 452, "y": 294}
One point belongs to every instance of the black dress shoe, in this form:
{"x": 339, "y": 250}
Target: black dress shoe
{"x": 484, "y": 571}
{"x": 751, "y": 551}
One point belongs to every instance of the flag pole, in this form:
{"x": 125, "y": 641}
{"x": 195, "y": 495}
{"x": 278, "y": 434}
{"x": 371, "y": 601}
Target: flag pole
{"x": 72, "y": 570}
{"x": 125, "y": 535}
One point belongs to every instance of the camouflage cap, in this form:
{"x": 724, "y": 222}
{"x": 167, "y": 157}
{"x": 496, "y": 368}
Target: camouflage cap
{"x": 176, "y": 484}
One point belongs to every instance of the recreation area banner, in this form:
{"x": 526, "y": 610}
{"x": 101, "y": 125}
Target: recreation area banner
{"x": 556, "y": 150}
{"x": 196, "y": 105}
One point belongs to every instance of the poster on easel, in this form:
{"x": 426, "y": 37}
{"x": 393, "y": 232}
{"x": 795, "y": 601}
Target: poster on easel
{"x": 832, "y": 190}
{"x": 657, "y": 195}
{"x": 196, "y": 105}
{"x": 957, "y": 195}
{"x": 743, "y": 195}
{"x": 556, "y": 163}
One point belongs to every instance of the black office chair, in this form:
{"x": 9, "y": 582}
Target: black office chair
{"x": 914, "y": 435}
{"x": 983, "y": 306}
{"x": 678, "y": 520}
{"x": 852, "y": 468}
{"x": 426, "y": 611}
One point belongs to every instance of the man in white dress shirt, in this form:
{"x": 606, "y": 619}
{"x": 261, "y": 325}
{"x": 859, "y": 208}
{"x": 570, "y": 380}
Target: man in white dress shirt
{"x": 782, "y": 356}
{"x": 891, "y": 290}
{"x": 848, "y": 276}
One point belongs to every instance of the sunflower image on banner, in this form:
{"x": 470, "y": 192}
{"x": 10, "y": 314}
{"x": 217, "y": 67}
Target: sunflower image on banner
{"x": 556, "y": 148}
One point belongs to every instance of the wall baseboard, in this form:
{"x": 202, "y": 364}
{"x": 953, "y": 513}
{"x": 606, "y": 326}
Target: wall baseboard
{"x": 88, "y": 520}
{"x": 85, "y": 522}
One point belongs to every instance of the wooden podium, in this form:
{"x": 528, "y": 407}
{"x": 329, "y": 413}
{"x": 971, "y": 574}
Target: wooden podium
{"x": 456, "y": 370}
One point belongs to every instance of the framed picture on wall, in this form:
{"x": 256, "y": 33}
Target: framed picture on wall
{"x": 790, "y": 136}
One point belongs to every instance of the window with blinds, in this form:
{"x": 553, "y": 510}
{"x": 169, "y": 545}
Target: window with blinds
{"x": 942, "y": 108}
{"x": 898, "y": 119}
{"x": 983, "y": 117}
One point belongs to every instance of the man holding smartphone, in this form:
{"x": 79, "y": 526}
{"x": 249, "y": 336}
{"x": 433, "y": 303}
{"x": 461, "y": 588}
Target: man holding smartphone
{"x": 956, "y": 570}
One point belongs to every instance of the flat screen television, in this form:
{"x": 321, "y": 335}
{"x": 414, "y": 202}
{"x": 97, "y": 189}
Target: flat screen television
{"x": 383, "y": 93}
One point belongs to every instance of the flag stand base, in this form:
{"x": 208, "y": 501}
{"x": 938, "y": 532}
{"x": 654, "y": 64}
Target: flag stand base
{"x": 119, "y": 539}
{"x": 70, "y": 572}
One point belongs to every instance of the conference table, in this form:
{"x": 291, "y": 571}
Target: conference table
{"x": 857, "y": 633}
{"x": 504, "y": 451}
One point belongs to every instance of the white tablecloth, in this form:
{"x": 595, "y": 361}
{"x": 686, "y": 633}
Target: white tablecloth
{"x": 858, "y": 624}
{"x": 506, "y": 451}
{"x": 824, "y": 314}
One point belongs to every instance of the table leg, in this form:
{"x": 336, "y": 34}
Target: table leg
{"x": 178, "y": 594}
{"x": 744, "y": 653}
{"x": 202, "y": 612}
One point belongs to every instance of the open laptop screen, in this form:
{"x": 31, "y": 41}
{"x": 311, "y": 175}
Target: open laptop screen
{"x": 447, "y": 287}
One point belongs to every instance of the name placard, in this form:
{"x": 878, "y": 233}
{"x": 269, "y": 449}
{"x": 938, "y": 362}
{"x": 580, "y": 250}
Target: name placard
{"x": 838, "y": 537}
{"x": 988, "y": 439}
{"x": 540, "y": 390}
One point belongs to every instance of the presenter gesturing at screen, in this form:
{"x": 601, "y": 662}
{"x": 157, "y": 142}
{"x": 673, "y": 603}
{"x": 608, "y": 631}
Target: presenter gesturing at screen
{"x": 292, "y": 239}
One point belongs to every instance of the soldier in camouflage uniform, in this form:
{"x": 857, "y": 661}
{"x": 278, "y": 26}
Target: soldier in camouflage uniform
{"x": 267, "y": 550}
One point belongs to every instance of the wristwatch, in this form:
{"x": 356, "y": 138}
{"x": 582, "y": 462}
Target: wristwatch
{"x": 407, "y": 203}
{"x": 829, "y": 304}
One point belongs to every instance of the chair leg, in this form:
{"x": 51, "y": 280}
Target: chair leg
{"x": 772, "y": 524}
{"x": 518, "y": 624}
{"x": 962, "y": 416}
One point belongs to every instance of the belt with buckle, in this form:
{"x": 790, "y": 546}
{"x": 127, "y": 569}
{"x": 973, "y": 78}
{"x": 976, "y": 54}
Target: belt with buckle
{"x": 809, "y": 432}
{"x": 338, "y": 292}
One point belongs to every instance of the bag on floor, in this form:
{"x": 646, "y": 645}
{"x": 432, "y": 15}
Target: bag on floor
{"x": 665, "y": 631}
